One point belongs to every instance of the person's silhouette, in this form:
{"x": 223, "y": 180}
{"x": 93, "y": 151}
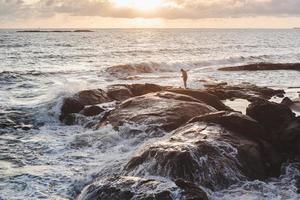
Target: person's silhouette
{"x": 184, "y": 77}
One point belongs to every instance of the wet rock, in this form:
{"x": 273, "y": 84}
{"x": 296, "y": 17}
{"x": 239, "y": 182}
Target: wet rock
{"x": 142, "y": 89}
{"x": 74, "y": 119}
{"x": 290, "y": 137}
{"x": 119, "y": 92}
{"x": 273, "y": 116}
{"x": 70, "y": 105}
{"x": 92, "y": 111}
{"x": 244, "y": 91}
{"x": 205, "y": 154}
{"x": 135, "y": 188}
{"x": 70, "y": 120}
{"x": 287, "y": 101}
{"x": 92, "y": 97}
{"x": 163, "y": 109}
{"x": 264, "y": 66}
{"x": 202, "y": 96}
{"x": 235, "y": 121}
{"x": 191, "y": 191}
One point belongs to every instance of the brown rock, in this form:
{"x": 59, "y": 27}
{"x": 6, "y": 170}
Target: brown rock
{"x": 205, "y": 154}
{"x": 264, "y": 66}
{"x": 163, "y": 109}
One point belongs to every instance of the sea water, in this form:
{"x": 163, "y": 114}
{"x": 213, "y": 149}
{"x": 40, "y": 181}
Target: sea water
{"x": 37, "y": 70}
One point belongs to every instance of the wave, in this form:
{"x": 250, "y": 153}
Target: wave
{"x": 123, "y": 71}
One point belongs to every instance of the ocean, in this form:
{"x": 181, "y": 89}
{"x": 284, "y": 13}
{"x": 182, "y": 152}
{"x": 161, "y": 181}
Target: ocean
{"x": 48, "y": 160}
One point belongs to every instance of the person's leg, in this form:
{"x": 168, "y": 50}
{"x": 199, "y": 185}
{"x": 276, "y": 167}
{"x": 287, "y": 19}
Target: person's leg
{"x": 185, "y": 86}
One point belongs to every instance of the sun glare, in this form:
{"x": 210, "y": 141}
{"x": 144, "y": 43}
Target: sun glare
{"x": 139, "y": 4}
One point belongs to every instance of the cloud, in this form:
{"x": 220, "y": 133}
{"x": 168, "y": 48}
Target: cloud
{"x": 172, "y": 9}
{"x": 10, "y": 7}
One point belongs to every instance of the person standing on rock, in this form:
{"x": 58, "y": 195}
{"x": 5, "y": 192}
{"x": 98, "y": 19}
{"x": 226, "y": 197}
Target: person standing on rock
{"x": 184, "y": 77}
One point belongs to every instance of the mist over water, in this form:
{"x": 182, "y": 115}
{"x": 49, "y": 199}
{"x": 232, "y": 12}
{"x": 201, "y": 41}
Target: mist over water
{"x": 37, "y": 70}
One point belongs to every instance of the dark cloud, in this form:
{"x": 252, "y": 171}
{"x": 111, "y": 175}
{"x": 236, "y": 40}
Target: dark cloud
{"x": 190, "y": 9}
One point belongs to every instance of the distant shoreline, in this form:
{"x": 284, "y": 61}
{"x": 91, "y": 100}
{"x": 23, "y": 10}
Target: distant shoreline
{"x": 55, "y": 31}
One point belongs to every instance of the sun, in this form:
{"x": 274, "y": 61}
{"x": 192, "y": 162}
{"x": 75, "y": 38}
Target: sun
{"x": 144, "y": 5}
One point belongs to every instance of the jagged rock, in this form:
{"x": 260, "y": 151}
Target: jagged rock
{"x": 142, "y": 89}
{"x": 244, "y": 91}
{"x": 235, "y": 121}
{"x": 191, "y": 191}
{"x": 273, "y": 116}
{"x": 163, "y": 109}
{"x": 205, "y": 154}
{"x": 92, "y": 97}
{"x": 287, "y": 101}
{"x": 202, "y": 96}
{"x": 92, "y": 111}
{"x": 290, "y": 137}
{"x": 264, "y": 66}
{"x": 135, "y": 188}
{"x": 119, "y": 92}
{"x": 70, "y": 105}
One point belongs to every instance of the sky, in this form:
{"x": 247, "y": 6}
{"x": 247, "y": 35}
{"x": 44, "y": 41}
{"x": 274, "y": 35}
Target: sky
{"x": 149, "y": 13}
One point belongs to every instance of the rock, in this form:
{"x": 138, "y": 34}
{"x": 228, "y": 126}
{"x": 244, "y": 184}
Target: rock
{"x": 205, "y": 154}
{"x": 142, "y": 89}
{"x": 92, "y": 111}
{"x": 202, "y": 96}
{"x": 290, "y": 137}
{"x": 244, "y": 91}
{"x": 70, "y": 105}
{"x": 287, "y": 101}
{"x": 264, "y": 66}
{"x": 191, "y": 191}
{"x": 135, "y": 188}
{"x": 70, "y": 120}
{"x": 119, "y": 92}
{"x": 92, "y": 97}
{"x": 235, "y": 121}
{"x": 74, "y": 119}
{"x": 165, "y": 110}
{"x": 273, "y": 116}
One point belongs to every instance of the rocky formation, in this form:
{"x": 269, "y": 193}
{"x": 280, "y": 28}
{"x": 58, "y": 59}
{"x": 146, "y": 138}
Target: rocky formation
{"x": 205, "y": 144}
{"x": 135, "y": 188}
{"x": 244, "y": 91}
{"x": 264, "y": 66}
{"x": 209, "y": 155}
{"x": 165, "y": 110}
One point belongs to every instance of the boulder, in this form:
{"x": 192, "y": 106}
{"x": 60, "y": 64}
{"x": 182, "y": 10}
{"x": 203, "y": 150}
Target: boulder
{"x": 142, "y": 89}
{"x": 202, "y": 96}
{"x": 191, "y": 191}
{"x": 92, "y": 111}
{"x": 119, "y": 92}
{"x": 205, "y": 154}
{"x": 244, "y": 91}
{"x": 290, "y": 137}
{"x": 287, "y": 101}
{"x": 70, "y": 105}
{"x": 135, "y": 188}
{"x": 235, "y": 121}
{"x": 273, "y": 116}
{"x": 92, "y": 97}
{"x": 165, "y": 110}
{"x": 264, "y": 66}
